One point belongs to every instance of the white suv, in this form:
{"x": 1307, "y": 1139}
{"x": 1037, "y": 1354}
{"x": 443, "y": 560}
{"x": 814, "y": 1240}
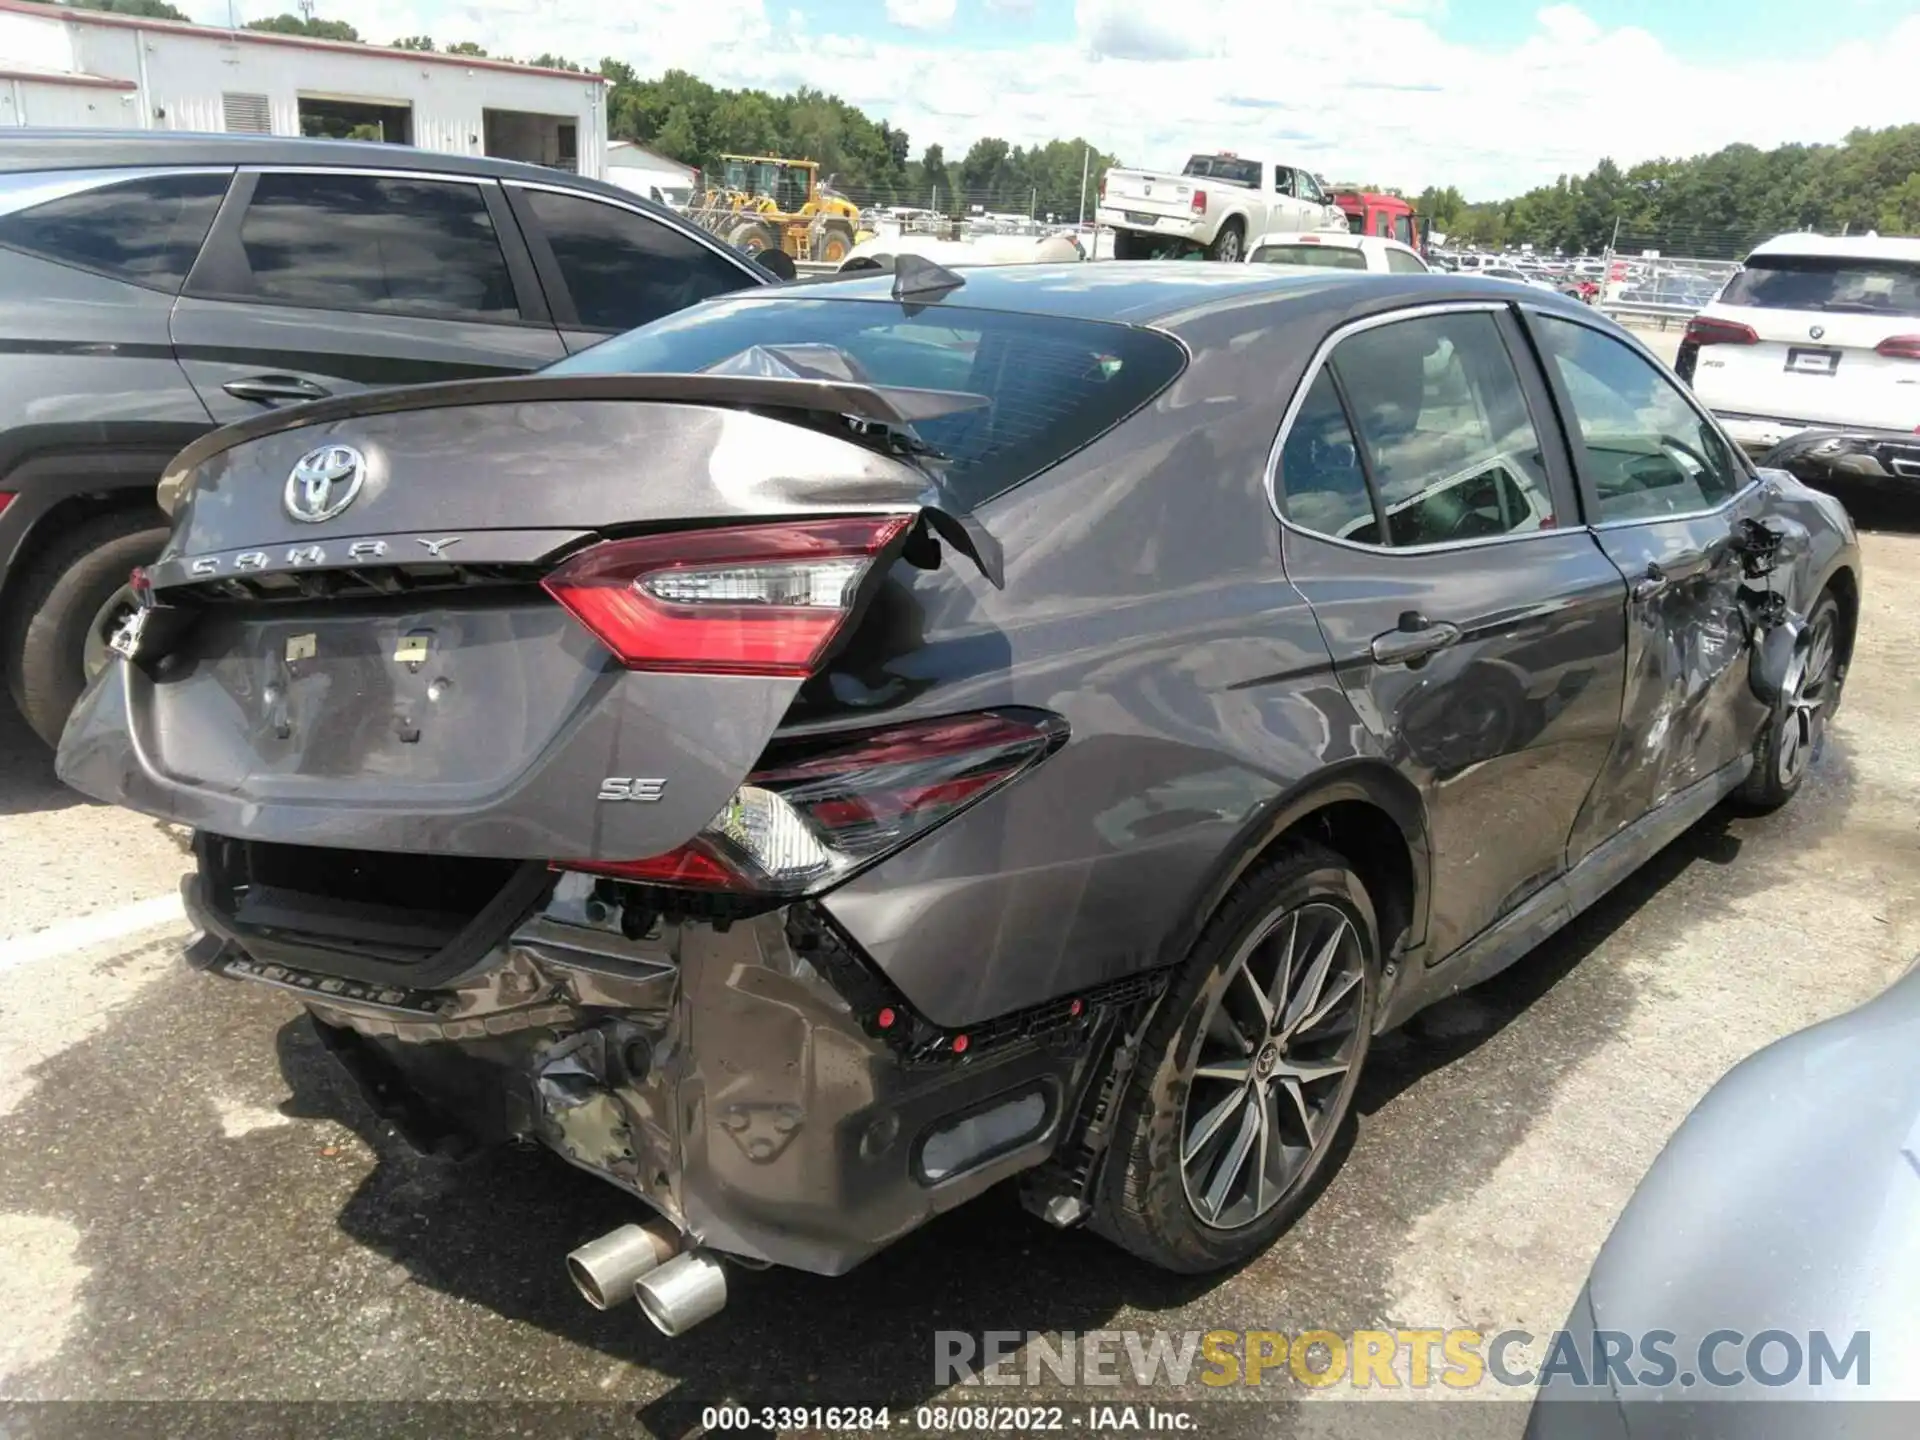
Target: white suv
{"x": 1817, "y": 331}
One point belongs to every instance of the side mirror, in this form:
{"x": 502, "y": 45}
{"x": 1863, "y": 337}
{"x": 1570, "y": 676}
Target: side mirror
{"x": 779, "y": 263}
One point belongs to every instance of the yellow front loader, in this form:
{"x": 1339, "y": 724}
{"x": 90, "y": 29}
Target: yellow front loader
{"x": 758, "y": 202}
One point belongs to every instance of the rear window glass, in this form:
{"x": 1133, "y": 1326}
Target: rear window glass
{"x": 1330, "y": 257}
{"x": 1230, "y": 168}
{"x": 1827, "y": 282}
{"x": 148, "y": 231}
{"x": 1055, "y": 384}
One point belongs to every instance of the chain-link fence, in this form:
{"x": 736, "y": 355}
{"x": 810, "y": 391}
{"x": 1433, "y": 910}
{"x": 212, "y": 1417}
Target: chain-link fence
{"x": 1663, "y": 289}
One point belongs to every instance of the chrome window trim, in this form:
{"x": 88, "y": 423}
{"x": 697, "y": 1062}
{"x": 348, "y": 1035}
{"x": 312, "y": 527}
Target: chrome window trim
{"x": 1634, "y": 347}
{"x": 24, "y": 189}
{"x": 1316, "y": 365}
{"x": 370, "y": 171}
{"x": 675, "y": 223}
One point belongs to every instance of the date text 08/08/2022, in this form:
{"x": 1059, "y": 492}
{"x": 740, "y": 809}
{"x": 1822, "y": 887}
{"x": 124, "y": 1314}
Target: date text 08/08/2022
{"x": 935, "y": 1419}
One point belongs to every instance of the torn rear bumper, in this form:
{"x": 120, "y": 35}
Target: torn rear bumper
{"x": 748, "y": 1080}
{"x": 1821, "y": 457}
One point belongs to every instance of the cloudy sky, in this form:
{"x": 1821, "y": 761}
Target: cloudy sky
{"x": 1489, "y": 95}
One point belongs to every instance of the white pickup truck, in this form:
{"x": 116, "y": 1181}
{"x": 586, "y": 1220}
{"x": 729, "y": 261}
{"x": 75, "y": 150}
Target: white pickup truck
{"x": 1217, "y": 203}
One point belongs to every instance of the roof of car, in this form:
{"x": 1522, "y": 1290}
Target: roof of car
{"x": 1139, "y": 292}
{"x": 23, "y": 150}
{"x": 1860, "y": 247}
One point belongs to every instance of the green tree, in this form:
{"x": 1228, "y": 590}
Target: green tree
{"x": 467, "y": 47}
{"x": 299, "y": 25}
{"x": 413, "y": 42}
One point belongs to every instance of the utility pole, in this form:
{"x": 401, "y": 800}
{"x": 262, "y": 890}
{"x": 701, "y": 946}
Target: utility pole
{"x": 1033, "y": 201}
{"x": 1086, "y": 160}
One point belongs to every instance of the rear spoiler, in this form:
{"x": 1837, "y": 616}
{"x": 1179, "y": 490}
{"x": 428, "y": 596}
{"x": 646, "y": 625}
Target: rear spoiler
{"x": 887, "y": 405}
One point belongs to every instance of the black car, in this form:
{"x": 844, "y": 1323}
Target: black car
{"x": 155, "y": 286}
{"x": 841, "y": 746}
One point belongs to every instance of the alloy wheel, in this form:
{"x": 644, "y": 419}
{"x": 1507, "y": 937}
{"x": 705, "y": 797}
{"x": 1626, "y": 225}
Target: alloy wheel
{"x": 1808, "y": 695}
{"x": 1273, "y": 1064}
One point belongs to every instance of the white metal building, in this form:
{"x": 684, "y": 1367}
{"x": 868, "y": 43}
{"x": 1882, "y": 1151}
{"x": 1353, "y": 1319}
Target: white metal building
{"x": 634, "y": 167}
{"x": 66, "y": 68}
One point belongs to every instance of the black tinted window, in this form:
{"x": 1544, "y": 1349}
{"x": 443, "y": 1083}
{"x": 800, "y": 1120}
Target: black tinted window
{"x": 1648, "y": 452}
{"x": 1448, "y": 436}
{"x": 1053, "y": 384}
{"x": 624, "y": 269}
{"x": 1230, "y": 168}
{"x": 365, "y": 242}
{"x": 148, "y": 231}
{"x": 1827, "y": 282}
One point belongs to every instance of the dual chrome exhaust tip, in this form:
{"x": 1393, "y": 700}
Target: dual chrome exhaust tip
{"x": 676, "y": 1288}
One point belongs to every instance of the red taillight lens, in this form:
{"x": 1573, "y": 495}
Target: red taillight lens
{"x": 744, "y": 600}
{"x": 1899, "y": 347}
{"x": 798, "y": 826}
{"x": 1702, "y": 331}
{"x": 1199, "y": 202}
{"x": 6, "y": 498}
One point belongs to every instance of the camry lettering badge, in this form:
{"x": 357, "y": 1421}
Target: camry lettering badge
{"x": 434, "y": 547}
{"x": 324, "y": 482}
{"x": 1817, "y": 332}
{"x": 366, "y": 549}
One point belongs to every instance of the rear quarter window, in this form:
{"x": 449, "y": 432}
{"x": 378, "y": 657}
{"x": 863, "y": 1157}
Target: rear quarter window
{"x": 147, "y": 231}
{"x": 1054, "y": 385}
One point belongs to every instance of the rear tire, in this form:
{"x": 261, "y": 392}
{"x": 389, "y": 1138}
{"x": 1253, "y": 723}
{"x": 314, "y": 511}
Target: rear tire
{"x": 60, "y": 604}
{"x": 1793, "y": 733}
{"x": 836, "y": 241}
{"x": 1230, "y": 245}
{"x": 1167, "y": 1194}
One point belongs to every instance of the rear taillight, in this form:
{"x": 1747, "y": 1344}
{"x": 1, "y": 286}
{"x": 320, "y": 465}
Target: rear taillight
{"x": 800, "y": 825}
{"x": 1704, "y": 331}
{"x": 6, "y": 498}
{"x": 1199, "y": 202}
{"x": 744, "y": 600}
{"x": 1899, "y": 347}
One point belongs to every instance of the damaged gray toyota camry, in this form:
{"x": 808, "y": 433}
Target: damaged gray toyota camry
{"x": 843, "y": 746}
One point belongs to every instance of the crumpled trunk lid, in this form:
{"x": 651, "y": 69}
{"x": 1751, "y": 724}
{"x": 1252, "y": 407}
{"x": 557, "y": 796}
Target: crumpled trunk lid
{"x": 392, "y": 677}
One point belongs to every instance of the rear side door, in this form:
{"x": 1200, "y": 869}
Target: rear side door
{"x": 1474, "y": 625}
{"x": 323, "y": 282}
{"x": 606, "y": 267}
{"x": 1664, "y": 491}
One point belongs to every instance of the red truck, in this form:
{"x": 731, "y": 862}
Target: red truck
{"x": 1371, "y": 213}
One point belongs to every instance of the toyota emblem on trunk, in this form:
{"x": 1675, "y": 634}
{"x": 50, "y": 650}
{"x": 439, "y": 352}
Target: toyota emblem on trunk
{"x": 324, "y": 482}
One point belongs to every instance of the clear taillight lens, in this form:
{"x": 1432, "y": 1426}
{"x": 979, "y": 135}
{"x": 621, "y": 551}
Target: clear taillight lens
{"x": 743, "y": 600}
{"x": 800, "y": 826}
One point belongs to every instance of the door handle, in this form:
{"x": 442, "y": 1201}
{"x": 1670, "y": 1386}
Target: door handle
{"x": 1414, "y": 640}
{"x": 268, "y": 388}
{"x": 1652, "y": 583}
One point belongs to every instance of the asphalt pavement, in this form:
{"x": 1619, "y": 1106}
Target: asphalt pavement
{"x": 195, "y": 1205}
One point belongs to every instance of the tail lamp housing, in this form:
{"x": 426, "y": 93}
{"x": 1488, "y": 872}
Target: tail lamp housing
{"x": 1199, "y": 202}
{"x": 1899, "y": 347}
{"x": 766, "y": 599}
{"x": 1704, "y": 330}
{"x": 798, "y": 825}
